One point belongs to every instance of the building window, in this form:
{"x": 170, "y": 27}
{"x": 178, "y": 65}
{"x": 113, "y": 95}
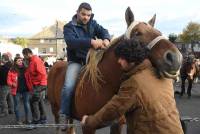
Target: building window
{"x": 51, "y": 49}
{"x": 44, "y": 51}
{"x": 41, "y": 40}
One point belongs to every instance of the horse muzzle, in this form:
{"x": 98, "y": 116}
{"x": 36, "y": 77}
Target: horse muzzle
{"x": 172, "y": 62}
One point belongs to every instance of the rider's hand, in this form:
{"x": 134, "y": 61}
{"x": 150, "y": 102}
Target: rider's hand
{"x": 106, "y": 42}
{"x": 98, "y": 43}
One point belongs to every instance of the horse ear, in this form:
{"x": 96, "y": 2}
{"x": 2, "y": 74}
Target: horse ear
{"x": 152, "y": 21}
{"x": 129, "y": 16}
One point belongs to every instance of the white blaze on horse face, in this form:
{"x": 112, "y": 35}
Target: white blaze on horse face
{"x": 130, "y": 28}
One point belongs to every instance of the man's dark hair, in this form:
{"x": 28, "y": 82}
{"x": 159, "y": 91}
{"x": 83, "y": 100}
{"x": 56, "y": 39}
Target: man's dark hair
{"x": 85, "y": 6}
{"x": 26, "y": 51}
{"x": 132, "y": 51}
{"x": 5, "y": 58}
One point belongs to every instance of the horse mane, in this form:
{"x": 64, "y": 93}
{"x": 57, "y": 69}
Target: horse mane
{"x": 91, "y": 68}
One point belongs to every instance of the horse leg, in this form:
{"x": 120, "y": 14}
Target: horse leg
{"x": 69, "y": 129}
{"x": 88, "y": 130}
{"x": 55, "y": 109}
{"x": 189, "y": 88}
{"x": 182, "y": 87}
{"x": 116, "y": 128}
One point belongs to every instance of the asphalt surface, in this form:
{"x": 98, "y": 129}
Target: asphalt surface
{"x": 187, "y": 107}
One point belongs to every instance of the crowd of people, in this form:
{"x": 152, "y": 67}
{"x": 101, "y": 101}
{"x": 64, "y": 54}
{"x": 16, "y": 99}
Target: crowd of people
{"x": 23, "y": 79}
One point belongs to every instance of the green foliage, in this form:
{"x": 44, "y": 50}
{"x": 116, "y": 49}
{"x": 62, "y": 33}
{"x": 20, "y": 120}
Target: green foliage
{"x": 21, "y": 41}
{"x": 172, "y": 37}
{"x": 191, "y": 33}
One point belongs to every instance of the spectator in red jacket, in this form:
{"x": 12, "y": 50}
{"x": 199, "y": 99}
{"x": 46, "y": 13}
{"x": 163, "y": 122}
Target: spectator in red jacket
{"x": 38, "y": 76}
{"x": 17, "y": 80}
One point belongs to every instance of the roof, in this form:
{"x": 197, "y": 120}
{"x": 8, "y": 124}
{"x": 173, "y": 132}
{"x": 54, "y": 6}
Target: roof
{"x": 51, "y": 31}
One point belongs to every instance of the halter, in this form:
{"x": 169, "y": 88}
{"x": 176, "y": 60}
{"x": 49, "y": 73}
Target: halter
{"x": 154, "y": 41}
{"x": 151, "y": 44}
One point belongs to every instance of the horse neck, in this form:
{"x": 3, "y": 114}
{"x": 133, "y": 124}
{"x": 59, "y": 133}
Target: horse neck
{"x": 110, "y": 68}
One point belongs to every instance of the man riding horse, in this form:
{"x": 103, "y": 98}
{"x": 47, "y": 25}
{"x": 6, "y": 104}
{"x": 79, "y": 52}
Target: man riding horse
{"x": 80, "y": 35}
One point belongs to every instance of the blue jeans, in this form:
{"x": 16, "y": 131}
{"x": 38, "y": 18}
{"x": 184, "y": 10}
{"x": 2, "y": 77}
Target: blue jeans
{"x": 26, "y": 103}
{"x": 72, "y": 73}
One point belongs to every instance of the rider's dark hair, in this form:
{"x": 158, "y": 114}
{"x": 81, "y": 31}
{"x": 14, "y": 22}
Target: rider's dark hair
{"x": 85, "y": 6}
{"x": 132, "y": 51}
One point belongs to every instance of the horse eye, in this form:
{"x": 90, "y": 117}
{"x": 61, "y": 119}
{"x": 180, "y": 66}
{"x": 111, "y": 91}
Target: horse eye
{"x": 138, "y": 33}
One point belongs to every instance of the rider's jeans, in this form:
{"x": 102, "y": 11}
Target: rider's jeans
{"x": 73, "y": 70}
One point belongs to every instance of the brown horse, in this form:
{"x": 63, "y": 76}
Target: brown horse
{"x": 163, "y": 54}
{"x": 189, "y": 71}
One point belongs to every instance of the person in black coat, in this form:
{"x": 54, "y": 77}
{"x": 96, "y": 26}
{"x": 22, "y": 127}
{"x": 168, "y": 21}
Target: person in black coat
{"x": 6, "y": 102}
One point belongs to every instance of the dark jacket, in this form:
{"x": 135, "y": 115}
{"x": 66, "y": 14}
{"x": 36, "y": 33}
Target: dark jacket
{"x": 78, "y": 39}
{"x": 4, "y": 73}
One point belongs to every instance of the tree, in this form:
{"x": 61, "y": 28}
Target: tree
{"x": 21, "y": 41}
{"x": 191, "y": 33}
{"x": 172, "y": 37}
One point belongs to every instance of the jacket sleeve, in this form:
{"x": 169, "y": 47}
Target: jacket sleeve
{"x": 9, "y": 79}
{"x": 28, "y": 80}
{"x": 74, "y": 42}
{"x": 116, "y": 107}
{"x": 101, "y": 32}
{"x": 40, "y": 69}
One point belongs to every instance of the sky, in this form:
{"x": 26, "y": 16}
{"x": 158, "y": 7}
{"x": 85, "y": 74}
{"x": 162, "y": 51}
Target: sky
{"x": 25, "y": 18}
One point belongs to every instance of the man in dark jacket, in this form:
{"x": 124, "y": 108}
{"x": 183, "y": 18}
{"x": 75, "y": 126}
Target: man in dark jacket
{"x": 6, "y": 102}
{"x": 81, "y": 34}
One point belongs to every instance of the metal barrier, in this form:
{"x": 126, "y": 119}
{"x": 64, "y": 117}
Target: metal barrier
{"x": 185, "y": 120}
{"x": 78, "y": 126}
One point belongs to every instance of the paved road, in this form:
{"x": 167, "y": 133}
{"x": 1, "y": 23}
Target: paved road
{"x": 187, "y": 107}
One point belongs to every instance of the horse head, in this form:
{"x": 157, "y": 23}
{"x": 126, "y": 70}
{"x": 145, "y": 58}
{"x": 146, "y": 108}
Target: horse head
{"x": 164, "y": 55}
{"x": 191, "y": 68}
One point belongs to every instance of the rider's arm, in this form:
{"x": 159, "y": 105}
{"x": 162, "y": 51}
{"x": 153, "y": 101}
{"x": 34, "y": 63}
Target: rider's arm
{"x": 73, "y": 41}
{"x": 101, "y": 32}
{"x": 116, "y": 107}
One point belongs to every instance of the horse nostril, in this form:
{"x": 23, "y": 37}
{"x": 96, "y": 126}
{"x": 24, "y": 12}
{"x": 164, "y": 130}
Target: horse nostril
{"x": 169, "y": 58}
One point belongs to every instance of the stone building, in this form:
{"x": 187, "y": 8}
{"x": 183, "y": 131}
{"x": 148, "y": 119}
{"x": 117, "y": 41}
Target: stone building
{"x": 49, "y": 42}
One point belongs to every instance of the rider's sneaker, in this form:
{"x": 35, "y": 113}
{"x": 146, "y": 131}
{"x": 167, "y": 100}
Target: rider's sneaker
{"x": 63, "y": 119}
